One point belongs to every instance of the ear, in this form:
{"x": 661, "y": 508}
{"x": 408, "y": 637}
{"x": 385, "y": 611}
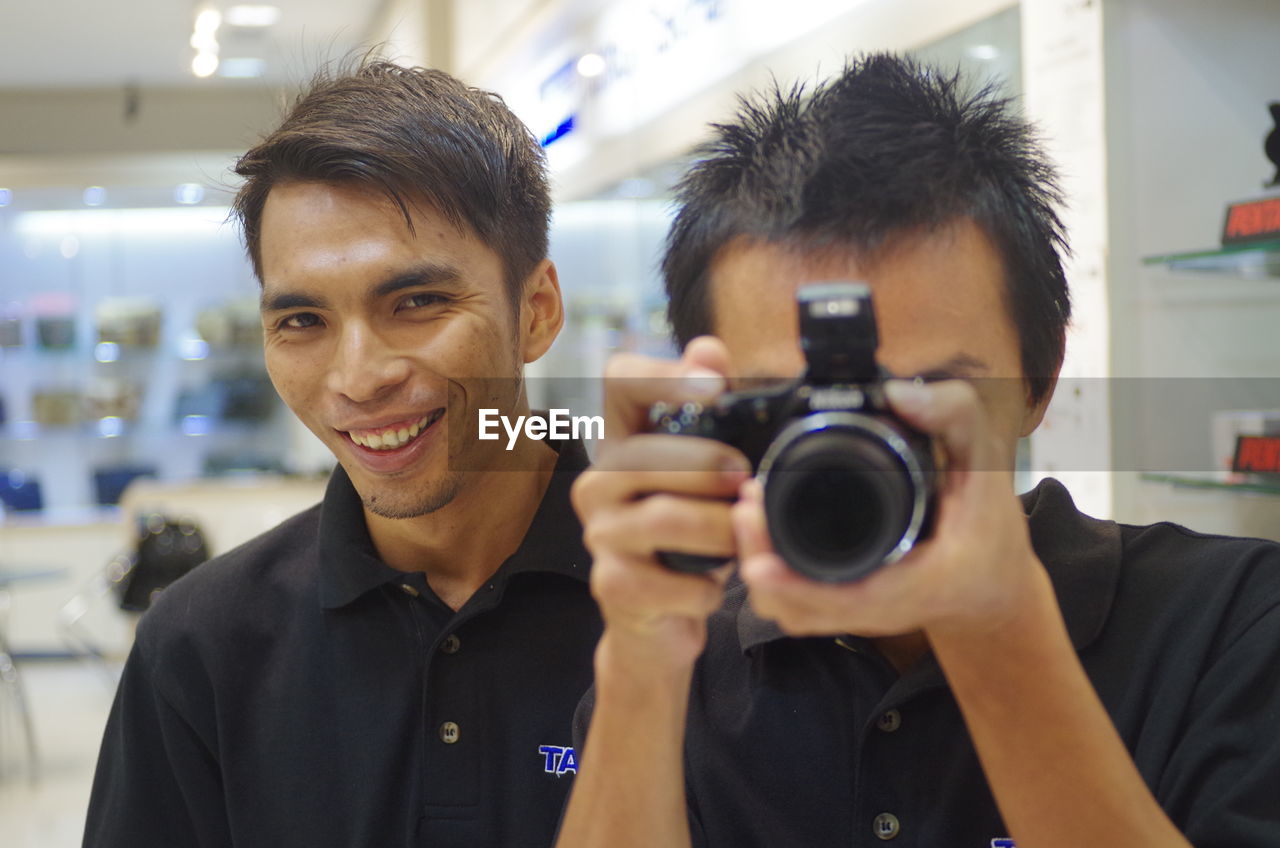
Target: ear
{"x": 1035, "y": 411}
{"x": 541, "y": 311}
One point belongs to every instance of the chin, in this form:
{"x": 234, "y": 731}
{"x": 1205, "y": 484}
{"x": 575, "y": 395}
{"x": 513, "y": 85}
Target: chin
{"x": 399, "y": 503}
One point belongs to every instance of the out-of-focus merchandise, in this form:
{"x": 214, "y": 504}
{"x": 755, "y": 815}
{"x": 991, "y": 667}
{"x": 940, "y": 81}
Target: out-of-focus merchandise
{"x": 128, "y": 321}
{"x": 232, "y": 324}
{"x": 56, "y": 332}
{"x": 166, "y": 549}
{"x": 55, "y": 316}
{"x": 232, "y": 463}
{"x": 19, "y": 491}
{"x": 113, "y": 397}
{"x": 57, "y": 406}
{"x": 245, "y": 396}
{"x": 110, "y": 482}
{"x": 11, "y": 325}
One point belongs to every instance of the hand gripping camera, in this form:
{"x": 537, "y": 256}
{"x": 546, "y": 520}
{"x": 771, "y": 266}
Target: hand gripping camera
{"x": 848, "y": 486}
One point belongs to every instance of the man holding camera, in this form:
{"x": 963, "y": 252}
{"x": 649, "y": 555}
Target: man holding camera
{"x": 1024, "y": 674}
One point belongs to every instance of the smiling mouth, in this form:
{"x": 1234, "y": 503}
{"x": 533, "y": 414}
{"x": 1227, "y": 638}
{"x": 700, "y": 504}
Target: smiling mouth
{"x": 390, "y": 439}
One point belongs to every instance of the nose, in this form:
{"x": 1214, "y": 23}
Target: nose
{"x": 365, "y": 366}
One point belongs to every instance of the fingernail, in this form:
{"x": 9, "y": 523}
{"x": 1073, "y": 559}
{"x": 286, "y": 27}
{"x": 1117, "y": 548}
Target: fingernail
{"x": 704, "y": 381}
{"x": 907, "y": 395}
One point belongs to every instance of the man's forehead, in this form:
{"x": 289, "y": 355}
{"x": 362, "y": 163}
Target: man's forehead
{"x": 938, "y": 297}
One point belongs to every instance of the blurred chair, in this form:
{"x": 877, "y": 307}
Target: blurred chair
{"x": 10, "y": 680}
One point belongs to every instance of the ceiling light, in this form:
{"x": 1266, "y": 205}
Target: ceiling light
{"x": 208, "y": 21}
{"x": 242, "y": 68}
{"x": 252, "y": 15}
{"x": 188, "y": 194}
{"x": 110, "y": 426}
{"x": 204, "y": 64}
{"x": 206, "y": 42}
{"x": 983, "y": 52}
{"x": 591, "y": 65}
{"x": 207, "y": 220}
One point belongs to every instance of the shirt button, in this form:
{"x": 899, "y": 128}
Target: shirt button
{"x": 449, "y": 732}
{"x": 409, "y": 590}
{"x": 451, "y": 644}
{"x": 886, "y": 826}
{"x": 890, "y": 721}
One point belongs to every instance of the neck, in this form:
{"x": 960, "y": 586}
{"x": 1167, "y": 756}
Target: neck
{"x": 462, "y": 544}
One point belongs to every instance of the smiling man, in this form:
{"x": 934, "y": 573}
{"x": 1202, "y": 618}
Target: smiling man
{"x": 1025, "y": 675}
{"x": 393, "y": 666}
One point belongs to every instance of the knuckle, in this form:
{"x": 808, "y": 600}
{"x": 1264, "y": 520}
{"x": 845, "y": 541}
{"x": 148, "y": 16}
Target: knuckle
{"x": 660, "y": 516}
{"x": 600, "y": 535}
{"x": 582, "y": 491}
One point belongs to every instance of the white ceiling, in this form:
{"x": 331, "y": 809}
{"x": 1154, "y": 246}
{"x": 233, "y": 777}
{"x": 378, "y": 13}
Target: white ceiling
{"x": 111, "y": 43}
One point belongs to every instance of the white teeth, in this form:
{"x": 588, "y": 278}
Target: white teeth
{"x": 391, "y": 439}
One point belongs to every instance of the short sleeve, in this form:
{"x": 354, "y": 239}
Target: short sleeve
{"x": 1222, "y": 782}
{"x": 157, "y": 782}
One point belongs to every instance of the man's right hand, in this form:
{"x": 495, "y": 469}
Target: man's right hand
{"x": 649, "y": 493}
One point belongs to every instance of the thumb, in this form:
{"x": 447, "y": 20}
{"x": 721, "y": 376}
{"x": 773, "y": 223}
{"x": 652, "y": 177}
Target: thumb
{"x": 707, "y": 353}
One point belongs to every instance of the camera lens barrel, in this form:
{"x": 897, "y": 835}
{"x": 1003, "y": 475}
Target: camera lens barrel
{"x": 846, "y": 493}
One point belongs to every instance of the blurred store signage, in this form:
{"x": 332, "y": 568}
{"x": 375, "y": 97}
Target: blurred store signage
{"x": 1250, "y": 221}
{"x": 1257, "y": 455}
{"x": 639, "y": 58}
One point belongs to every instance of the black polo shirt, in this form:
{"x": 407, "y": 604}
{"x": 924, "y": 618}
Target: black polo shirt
{"x": 819, "y": 742}
{"x": 299, "y": 691}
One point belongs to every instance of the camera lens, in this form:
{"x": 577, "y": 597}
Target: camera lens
{"x": 840, "y": 501}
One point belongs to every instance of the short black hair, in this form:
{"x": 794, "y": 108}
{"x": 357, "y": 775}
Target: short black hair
{"x": 889, "y": 146}
{"x": 414, "y": 135}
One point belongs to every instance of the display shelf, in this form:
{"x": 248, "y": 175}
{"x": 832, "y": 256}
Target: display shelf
{"x": 1246, "y": 260}
{"x": 1214, "y": 482}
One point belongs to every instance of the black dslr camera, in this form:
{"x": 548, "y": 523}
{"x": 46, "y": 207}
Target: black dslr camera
{"x": 848, "y": 486}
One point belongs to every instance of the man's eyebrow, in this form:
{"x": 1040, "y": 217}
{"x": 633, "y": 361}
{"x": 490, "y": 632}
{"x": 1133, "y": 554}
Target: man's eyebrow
{"x": 289, "y": 300}
{"x": 429, "y": 274}
{"x": 957, "y": 367}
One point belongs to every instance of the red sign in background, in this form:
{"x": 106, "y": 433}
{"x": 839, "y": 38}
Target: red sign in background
{"x": 1257, "y": 455}
{"x": 1251, "y": 221}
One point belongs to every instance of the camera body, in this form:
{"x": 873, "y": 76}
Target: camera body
{"x": 848, "y": 486}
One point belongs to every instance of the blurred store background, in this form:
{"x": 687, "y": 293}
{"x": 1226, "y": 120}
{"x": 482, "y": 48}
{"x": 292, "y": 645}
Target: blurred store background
{"x": 133, "y": 398}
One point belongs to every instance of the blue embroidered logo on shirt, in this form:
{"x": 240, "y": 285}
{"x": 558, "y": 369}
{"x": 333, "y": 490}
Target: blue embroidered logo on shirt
{"x": 1006, "y": 842}
{"x": 558, "y": 760}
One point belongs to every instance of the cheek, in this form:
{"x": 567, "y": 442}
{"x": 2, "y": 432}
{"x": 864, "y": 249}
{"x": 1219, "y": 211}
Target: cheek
{"x": 483, "y": 349}
{"x": 1005, "y": 403}
{"x": 290, "y": 376}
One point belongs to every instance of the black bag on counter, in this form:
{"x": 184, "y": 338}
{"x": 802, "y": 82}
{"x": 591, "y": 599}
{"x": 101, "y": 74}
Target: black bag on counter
{"x": 166, "y": 549}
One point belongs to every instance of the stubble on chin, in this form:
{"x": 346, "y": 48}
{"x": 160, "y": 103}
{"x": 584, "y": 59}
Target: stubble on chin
{"x": 412, "y": 504}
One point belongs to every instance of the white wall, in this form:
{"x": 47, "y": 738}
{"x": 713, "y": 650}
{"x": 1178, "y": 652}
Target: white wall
{"x": 1188, "y": 84}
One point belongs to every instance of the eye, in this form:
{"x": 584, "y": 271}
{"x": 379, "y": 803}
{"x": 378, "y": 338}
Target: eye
{"x": 299, "y": 321}
{"x": 421, "y": 300}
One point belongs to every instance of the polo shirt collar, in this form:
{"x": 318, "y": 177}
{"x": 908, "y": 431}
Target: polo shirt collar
{"x": 349, "y": 563}
{"x": 1081, "y": 554}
